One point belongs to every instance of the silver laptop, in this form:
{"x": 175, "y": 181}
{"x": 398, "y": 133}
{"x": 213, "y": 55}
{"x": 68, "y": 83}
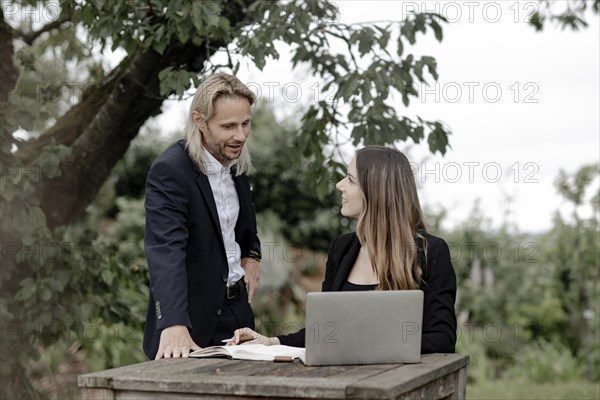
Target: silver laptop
{"x": 370, "y": 327}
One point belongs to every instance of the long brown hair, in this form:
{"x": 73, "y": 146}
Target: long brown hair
{"x": 391, "y": 222}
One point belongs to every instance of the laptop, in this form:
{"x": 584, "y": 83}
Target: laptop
{"x": 370, "y": 327}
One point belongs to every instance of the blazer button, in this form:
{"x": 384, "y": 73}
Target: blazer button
{"x": 218, "y": 312}
{"x": 224, "y": 278}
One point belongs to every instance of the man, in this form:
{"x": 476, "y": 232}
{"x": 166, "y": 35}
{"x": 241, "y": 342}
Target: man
{"x": 201, "y": 244}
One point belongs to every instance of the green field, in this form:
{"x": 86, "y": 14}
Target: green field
{"x": 505, "y": 389}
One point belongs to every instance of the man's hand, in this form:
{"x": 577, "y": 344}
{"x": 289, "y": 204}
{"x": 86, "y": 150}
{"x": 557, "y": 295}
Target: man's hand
{"x": 252, "y": 276}
{"x": 175, "y": 342}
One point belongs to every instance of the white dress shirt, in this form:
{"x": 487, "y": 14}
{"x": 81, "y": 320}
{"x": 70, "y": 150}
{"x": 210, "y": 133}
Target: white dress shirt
{"x": 228, "y": 208}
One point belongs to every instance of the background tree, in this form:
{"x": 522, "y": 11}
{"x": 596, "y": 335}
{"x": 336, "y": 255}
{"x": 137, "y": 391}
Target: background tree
{"x": 567, "y": 14}
{"x": 574, "y": 246}
{"x": 279, "y": 186}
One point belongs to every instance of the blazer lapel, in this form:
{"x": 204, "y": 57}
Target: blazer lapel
{"x": 207, "y": 193}
{"x": 242, "y": 195}
{"x": 346, "y": 264}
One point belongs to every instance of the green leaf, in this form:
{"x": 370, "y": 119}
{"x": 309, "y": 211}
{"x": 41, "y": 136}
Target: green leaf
{"x": 197, "y": 15}
{"x": 438, "y": 139}
{"x": 56, "y": 285}
{"x": 322, "y": 189}
{"x": 159, "y": 46}
{"x": 212, "y": 19}
{"x": 183, "y": 32}
{"x": 366, "y": 95}
{"x": 348, "y": 87}
{"x": 431, "y": 66}
{"x": 418, "y": 133}
{"x": 418, "y": 70}
{"x": 365, "y": 41}
{"x": 45, "y": 294}
{"x": 28, "y": 289}
{"x": 166, "y": 77}
{"x": 437, "y": 29}
{"x": 358, "y": 133}
{"x": 408, "y": 31}
{"x": 405, "y": 99}
{"x": 400, "y": 47}
{"x": 537, "y": 21}
{"x": 384, "y": 36}
{"x": 107, "y": 276}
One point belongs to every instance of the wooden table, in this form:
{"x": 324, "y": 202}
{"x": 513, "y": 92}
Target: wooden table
{"x": 438, "y": 376}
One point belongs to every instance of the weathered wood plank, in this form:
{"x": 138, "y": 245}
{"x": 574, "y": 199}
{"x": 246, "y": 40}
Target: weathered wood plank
{"x": 161, "y": 367}
{"x": 97, "y": 394}
{"x": 284, "y": 387}
{"x": 405, "y": 378}
{"x": 460, "y": 381}
{"x": 299, "y": 370}
{"x": 186, "y": 396}
{"x": 437, "y": 389}
{"x": 254, "y": 378}
{"x": 229, "y": 367}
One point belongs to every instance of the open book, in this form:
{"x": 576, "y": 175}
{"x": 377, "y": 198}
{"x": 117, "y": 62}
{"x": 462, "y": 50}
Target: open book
{"x": 256, "y": 352}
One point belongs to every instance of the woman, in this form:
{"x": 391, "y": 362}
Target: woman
{"x": 390, "y": 250}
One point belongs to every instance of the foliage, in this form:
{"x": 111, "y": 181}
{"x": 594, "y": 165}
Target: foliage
{"x": 529, "y": 304}
{"x": 363, "y": 90}
{"x": 573, "y": 248}
{"x": 279, "y": 185}
{"x": 572, "y": 15}
{"x": 510, "y": 390}
{"x": 542, "y": 362}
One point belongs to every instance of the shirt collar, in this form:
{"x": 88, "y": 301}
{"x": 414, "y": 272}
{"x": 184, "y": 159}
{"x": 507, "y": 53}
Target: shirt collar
{"x": 214, "y": 166}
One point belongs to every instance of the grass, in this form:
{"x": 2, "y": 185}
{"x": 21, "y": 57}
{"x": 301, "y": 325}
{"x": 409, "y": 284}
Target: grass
{"x": 506, "y": 389}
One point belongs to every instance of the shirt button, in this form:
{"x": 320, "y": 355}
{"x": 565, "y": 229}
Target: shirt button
{"x": 218, "y": 312}
{"x": 224, "y": 278}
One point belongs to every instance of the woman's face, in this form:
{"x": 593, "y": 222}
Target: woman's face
{"x": 352, "y": 201}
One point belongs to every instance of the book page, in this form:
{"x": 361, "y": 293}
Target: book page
{"x": 260, "y": 352}
{"x": 256, "y": 352}
{"x": 212, "y": 351}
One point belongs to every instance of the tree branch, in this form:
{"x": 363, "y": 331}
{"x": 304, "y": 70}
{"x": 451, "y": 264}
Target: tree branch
{"x": 8, "y": 70}
{"x": 30, "y": 37}
{"x": 102, "y": 138}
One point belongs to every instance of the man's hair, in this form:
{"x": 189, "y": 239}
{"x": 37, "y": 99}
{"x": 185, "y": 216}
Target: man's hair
{"x": 391, "y": 222}
{"x": 211, "y": 90}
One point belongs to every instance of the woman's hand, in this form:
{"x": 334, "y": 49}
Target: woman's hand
{"x": 248, "y": 336}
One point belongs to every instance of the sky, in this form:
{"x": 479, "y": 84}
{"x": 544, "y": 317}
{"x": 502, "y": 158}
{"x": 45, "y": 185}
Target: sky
{"x": 521, "y": 105}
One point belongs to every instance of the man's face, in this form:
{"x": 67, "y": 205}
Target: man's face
{"x": 226, "y": 131}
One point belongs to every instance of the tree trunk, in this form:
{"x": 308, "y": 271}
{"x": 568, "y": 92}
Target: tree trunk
{"x": 8, "y": 71}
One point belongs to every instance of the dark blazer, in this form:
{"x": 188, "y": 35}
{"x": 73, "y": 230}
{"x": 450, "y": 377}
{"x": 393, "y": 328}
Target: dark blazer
{"x": 184, "y": 247}
{"x": 439, "y": 318}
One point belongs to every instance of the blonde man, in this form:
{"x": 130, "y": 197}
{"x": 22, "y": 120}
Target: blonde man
{"x": 201, "y": 244}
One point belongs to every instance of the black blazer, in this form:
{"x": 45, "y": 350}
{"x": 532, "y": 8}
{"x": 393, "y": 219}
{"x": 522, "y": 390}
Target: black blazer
{"x": 184, "y": 247}
{"x": 439, "y": 318}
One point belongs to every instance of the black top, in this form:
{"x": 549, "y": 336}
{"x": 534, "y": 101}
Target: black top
{"x": 439, "y": 289}
{"x": 353, "y": 287}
